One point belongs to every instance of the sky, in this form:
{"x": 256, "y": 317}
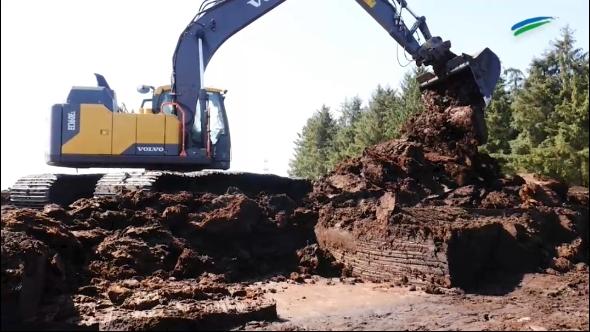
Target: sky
{"x": 278, "y": 71}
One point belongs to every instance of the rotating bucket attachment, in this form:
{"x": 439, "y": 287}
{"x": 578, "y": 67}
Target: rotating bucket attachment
{"x": 481, "y": 71}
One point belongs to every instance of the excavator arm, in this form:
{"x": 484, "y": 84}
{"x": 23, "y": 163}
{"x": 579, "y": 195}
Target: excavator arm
{"x": 218, "y": 20}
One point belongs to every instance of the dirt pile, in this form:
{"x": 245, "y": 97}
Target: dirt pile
{"x": 429, "y": 208}
{"x": 152, "y": 260}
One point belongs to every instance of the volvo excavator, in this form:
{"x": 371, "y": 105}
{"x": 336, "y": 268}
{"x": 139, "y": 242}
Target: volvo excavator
{"x": 185, "y": 130}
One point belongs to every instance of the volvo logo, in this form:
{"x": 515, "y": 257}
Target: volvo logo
{"x": 72, "y": 121}
{"x": 256, "y": 3}
{"x": 150, "y": 149}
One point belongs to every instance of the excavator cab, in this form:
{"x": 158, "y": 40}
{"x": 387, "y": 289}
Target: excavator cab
{"x": 209, "y": 129}
{"x": 160, "y": 96}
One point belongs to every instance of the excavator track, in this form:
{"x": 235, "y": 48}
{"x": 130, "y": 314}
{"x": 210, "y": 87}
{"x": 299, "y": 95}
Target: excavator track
{"x": 114, "y": 184}
{"x": 38, "y": 190}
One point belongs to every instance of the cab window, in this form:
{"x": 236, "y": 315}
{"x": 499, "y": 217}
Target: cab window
{"x": 217, "y": 123}
{"x": 167, "y": 109}
{"x": 216, "y": 120}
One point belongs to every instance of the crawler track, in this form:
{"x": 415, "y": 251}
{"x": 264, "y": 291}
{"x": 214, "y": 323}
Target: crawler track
{"x": 37, "y": 190}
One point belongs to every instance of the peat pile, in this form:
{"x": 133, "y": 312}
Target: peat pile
{"x": 152, "y": 260}
{"x": 430, "y": 209}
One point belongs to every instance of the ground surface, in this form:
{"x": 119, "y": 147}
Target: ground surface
{"x": 541, "y": 302}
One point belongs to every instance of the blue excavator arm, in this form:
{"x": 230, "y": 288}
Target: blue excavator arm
{"x": 218, "y": 20}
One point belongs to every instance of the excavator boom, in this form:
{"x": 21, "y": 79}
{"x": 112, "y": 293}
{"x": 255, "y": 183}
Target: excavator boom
{"x": 219, "y": 20}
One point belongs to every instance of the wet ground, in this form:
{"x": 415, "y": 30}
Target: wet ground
{"x": 540, "y": 302}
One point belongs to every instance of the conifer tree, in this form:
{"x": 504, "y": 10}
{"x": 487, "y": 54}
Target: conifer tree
{"x": 313, "y": 146}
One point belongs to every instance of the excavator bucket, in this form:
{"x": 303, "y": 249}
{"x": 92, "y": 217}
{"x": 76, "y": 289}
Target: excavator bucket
{"x": 481, "y": 70}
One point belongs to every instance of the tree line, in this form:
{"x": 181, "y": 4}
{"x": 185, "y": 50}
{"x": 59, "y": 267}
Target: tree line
{"x": 537, "y": 122}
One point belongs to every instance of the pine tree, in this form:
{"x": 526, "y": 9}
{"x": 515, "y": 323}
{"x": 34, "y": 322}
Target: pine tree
{"x": 408, "y": 103}
{"x": 343, "y": 146}
{"x": 513, "y": 79}
{"x": 375, "y": 124}
{"x": 356, "y": 128}
{"x": 313, "y": 146}
{"x": 498, "y": 116}
{"x": 551, "y": 114}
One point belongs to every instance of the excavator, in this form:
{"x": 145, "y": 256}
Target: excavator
{"x": 181, "y": 134}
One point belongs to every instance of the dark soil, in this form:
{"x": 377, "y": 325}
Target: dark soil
{"x": 184, "y": 260}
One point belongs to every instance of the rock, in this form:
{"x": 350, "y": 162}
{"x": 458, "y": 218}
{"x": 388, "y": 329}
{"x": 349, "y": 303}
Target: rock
{"x": 237, "y": 215}
{"x": 281, "y": 203}
{"x": 537, "y": 328}
{"x": 189, "y": 264}
{"x": 131, "y": 283}
{"x": 240, "y": 292}
{"x": 404, "y": 280}
{"x": 137, "y": 249}
{"x": 542, "y": 191}
{"x": 499, "y": 200}
{"x": 54, "y": 211}
{"x": 462, "y": 196}
{"x": 88, "y": 290}
{"x": 278, "y": 278}
{"x": 183, "y": 198}
{"x": 432, "y": 289}
{"x": 296, "y": 277}
{"x": 90, "y": 238}
{"x": 141, "y": 301}
{"x": 110, "y": 219}
{"x": 562, "y": 264}
{"x": 386, "y": 207}
{"x": 571, "y": 251}
{"x": 117, "y": 294}
{"x": 578, "y": 195}
{"x": 582, "y": 267}
{"x": 175, "y": 215}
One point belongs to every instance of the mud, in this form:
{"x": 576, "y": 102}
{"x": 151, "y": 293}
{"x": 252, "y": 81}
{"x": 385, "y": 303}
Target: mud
{"x": 542, "y": 302}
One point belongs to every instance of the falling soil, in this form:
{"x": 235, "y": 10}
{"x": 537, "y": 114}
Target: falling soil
{"x": 425, "y": 213}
